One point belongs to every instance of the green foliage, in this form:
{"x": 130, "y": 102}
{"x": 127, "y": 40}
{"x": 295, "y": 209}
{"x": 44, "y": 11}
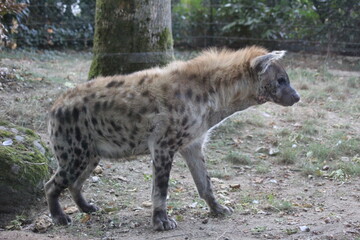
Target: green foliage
{"x": 11, "y": 13}
{"x": 188, "y": 19}
{"x": 54, "y": 24}
{"x": 240, "y": 22}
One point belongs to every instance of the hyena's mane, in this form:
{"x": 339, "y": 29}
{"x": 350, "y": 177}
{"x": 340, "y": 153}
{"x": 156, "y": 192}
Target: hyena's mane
{"x": 223, "y": 71}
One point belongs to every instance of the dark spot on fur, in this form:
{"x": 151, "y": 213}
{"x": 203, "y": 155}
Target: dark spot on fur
{"x": 93, "y": 95}
{"x": 163, "y": 185}
{"x": 65, "y": 182}
{"x": 179, "y": 134}
{"x": 77, "y": 151}
{"x": 170, "y": 107}
{"x": 135, "y": 130}
{"x": 163, "y": 144}
{"x": 105, "y": 103}
{"x": 171, "y": 142}
{"x": 185, "y": 135}
{"x": 64, "y": 156}
{"x": 141, "y": 81}
{"x": 89, "y": 84}
{"x": 177, "y": 93}
{"x": 175, "y": 72}
{"x": 131, "y": 144}
{"x": 192, "y": 76}
{"x": 143, "y": 110}
{"x": 86, "y": 123}
{"x": 97, "y": 107}
{"x": 115, "y": 126}
{"x": 205, "y": 97}
{"x": 76, "y": 163}
{"x": 75, "y": 114}
{"x": 77, "y": 134}
{"x": 114, "y": 83}
{"x": 94, "y": 121}
{"x": 99, "y": 132}
{"x": 198, "y": 98}
{"x": 184, "y": 121}
{"x": 86, "y": 99}
{"x": 163, "y": 159}
{"x": 164, "y": 88}
{"x": 84, "y": 109}
{"x": 182, "y": 108}
{"x": 67, "y": 116}
{"x": 145, "y": 93}
{"x": 62, "y": 173}
{"x": 189, "y": 93}
{"x": 84, "y": 145}
{"x": 111, "y": 84}
{"x": 167, "y": 166}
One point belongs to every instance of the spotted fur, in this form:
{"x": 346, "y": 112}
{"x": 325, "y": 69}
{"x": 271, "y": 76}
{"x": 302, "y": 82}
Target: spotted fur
{"x": 159, "y": 111}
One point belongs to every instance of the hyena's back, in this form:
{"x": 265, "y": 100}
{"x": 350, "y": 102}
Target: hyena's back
{"x": 105, "y": 118}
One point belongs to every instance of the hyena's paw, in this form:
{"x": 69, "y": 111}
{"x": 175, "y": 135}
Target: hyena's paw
{"x": 162, "y": 222}
{"x": 221, "y": 211}
{"x": 61, "y": 219}
{"x": 89, "y": 208}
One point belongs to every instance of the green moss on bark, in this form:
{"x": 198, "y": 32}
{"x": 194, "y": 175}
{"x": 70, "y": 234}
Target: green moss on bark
{"x": 124, "y": 44}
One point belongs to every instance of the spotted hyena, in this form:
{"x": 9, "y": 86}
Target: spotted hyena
{"x": 159, "y": 111}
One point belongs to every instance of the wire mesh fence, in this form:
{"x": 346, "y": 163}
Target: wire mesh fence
{"x": 321, "y": 26}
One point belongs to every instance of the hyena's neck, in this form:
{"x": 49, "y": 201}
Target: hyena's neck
{"x": 233, "y": 91}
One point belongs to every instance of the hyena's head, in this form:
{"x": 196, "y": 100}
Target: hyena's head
{"x": 274, "y": 84}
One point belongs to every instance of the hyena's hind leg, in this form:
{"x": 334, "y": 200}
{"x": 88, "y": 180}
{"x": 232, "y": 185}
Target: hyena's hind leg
{"x": 53, "y": 189}
{"x": 196, "y": 162}
{"x": 74, "y": 180}
{"x": 75, "y": 188}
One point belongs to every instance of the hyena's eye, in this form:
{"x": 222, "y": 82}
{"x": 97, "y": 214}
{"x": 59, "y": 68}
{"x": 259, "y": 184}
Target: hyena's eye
{"x": 281, "y": 81}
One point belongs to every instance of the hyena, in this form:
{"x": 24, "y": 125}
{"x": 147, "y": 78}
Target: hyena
{"x": 159, "y": 111}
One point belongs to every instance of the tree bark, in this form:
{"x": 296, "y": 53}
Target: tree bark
{"x": 131, "y": 35}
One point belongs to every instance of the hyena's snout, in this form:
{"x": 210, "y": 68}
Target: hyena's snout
{"x": 289, "y": 96}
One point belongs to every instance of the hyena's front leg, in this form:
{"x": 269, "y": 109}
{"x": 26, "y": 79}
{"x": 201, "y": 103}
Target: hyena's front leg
{"x": 162, "y": 161}
{"x": 196, "y": 162}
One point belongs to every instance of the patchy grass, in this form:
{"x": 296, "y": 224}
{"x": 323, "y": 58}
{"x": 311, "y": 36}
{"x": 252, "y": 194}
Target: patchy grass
{"x": 288, "y": 156}
{"x": 238, "y": 158}
{"x": 278, "y": 205}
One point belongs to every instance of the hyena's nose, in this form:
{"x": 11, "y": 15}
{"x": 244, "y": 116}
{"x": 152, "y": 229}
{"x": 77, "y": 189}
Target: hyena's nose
{"x": 295, "y": 97}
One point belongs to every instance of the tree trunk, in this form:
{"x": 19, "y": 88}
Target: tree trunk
{"x": 131, "y": 35}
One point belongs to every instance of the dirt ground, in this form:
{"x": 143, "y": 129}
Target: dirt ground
{"x": 265, "y": 162}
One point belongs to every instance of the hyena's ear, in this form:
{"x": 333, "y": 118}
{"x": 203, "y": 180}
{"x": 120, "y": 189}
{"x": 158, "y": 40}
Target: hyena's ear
{"x": 261, "y": 63}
